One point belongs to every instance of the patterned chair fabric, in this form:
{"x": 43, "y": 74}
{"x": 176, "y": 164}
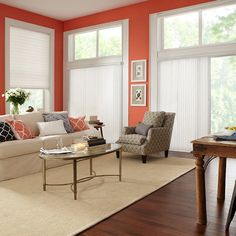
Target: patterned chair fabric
{"x": 135, "y": 139}
{"x": 154, "y": 118}
{"x": 158, "y": 138}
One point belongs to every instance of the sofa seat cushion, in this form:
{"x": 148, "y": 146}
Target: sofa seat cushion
{"x": 135, "y": 139}
{"x": 19, "y": 147}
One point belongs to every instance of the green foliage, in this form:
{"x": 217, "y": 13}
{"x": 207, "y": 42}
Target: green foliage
{"x": 221, "y": 29}
{"x": 223, "y": 96}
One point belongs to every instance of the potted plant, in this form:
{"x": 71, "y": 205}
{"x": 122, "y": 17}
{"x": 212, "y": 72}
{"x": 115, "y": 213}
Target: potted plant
{"x": 16, "y": 97}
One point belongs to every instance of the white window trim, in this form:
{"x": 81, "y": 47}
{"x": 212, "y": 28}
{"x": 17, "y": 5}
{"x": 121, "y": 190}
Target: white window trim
{"x": 156, "y": 48}
{"x": 100, "y": 61}
{"x": 32, "y": 27}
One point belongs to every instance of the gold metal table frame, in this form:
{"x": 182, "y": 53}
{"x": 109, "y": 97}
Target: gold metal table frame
{"x": 78, "y": 157}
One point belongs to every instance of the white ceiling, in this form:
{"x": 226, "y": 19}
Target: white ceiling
{"x": 68, "y": 9}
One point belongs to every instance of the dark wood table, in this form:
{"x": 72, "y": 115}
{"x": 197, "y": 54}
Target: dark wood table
{"x": 208, "y": 147}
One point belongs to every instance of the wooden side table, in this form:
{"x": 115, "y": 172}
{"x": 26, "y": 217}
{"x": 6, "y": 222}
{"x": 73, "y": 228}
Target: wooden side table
{"x": 99, "y": 127}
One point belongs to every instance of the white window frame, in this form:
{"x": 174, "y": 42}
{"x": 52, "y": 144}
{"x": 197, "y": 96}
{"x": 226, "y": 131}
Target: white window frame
{"x": 158, "y": 53}
{"x": 31, "y": 27}
{"x": 99, "y": 61}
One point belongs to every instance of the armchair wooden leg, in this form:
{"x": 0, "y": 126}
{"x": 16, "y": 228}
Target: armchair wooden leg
{"x": 117, "y": 154}
{"x": 166, "y": 153}
{"x": 144, "y": 158}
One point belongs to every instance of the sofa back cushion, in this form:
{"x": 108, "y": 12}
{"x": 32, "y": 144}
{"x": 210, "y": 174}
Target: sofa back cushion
{"x": 6, "y": 133}
{"x": 53, "y": 116}
{"x": 6, "y": 117}
{"x": 21, "y": 130}
{"x": 51, "y": 128}
{"x": 154, "y": 118}
{"x": 31, "y": 119}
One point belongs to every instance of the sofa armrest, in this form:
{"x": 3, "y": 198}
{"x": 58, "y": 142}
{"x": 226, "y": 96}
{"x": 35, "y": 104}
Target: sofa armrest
{"x": 128, "y": 130}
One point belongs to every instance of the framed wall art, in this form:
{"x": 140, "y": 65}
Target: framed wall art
{"x": 138, "y": 70}
{"x": 138, "y": 95}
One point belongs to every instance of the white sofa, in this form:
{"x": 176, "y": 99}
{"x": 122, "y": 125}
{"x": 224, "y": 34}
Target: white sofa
{"x": 20, "y": 157}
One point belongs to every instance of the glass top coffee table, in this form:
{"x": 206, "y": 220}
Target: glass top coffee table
{"x": 78, "y": 156}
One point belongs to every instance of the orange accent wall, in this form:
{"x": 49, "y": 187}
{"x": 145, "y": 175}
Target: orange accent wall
{"x": 18, "y": 14}
{"x": 138, "y": 16}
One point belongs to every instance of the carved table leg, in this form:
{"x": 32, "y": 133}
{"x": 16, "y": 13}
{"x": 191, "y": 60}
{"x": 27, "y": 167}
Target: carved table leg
{"x": 221, "y": 179}
{"x": 200, "y": 191}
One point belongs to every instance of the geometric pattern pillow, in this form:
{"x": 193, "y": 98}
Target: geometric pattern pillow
{"x": 78, "y": 124}
{"x": 6, "y": 133}
{"x": 20, "y": 130}
{"x": 59, "y": 116}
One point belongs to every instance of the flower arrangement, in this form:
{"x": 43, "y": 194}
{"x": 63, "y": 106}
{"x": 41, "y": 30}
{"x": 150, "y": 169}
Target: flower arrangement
{"x": 16, "y": 97}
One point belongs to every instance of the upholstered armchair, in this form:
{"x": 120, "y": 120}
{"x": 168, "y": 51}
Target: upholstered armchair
{"x": 156, "y": 140}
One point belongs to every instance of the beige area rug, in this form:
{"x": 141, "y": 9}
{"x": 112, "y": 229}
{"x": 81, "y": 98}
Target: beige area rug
{"x": 28, "y": 211}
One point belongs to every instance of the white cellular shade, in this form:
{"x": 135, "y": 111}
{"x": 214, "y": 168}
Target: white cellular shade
{"x": 29, "y": 58}
{"x": 97, "y": 91}
{"x": 183, "y": 88}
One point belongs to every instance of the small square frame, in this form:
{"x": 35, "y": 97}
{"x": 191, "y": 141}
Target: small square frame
{"x": 138, "y": 70}
{"x": 138, "y": 95}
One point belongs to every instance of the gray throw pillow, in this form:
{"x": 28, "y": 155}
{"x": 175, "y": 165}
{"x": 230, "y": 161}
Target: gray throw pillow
{"x": 142, "y": 129}
{"x": 59, "y": 116}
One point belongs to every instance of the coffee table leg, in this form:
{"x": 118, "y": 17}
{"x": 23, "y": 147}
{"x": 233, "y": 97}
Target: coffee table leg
{"x": 120, "y": 164}
{"x": 44, "y": 174}
{"x": 75, "y": 178}
{"x": 91, "y": 165}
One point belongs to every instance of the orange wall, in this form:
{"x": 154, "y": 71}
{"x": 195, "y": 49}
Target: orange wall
{"x": 15, "y": 13}
{"x": 138, "y": 16}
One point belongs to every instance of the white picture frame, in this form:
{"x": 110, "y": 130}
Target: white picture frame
{"x": 138, "y": 95}
{"x": 138, "y": 70}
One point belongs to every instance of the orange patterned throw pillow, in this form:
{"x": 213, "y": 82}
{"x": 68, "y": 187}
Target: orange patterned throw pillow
{"x": 78, "y": 124}
{"x": 20, "y": 130}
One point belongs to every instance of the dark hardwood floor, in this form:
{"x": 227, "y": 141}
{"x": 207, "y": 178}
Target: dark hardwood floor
{"x": 170, "y": 211}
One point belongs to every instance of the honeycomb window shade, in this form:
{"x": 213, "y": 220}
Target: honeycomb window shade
{"x": 29, "y": 59}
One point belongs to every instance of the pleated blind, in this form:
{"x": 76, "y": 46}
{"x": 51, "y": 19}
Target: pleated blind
{"x": 97, "y": 91}
{"x": 29, "y": 59}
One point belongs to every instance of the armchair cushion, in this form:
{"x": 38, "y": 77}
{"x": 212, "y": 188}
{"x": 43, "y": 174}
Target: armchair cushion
{"x": 129, "y": 130}
{"x": 142, "y": 129}
{"x": 135, "y": 139}
{"x": 154, "y": 118}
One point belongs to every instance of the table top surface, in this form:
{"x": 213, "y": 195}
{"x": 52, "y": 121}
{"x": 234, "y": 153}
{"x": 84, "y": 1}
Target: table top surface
{"x": 210, "y": 141}
{"x": 82, "y": 154}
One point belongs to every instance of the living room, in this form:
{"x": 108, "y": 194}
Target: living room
{"x": 120, "y": 63}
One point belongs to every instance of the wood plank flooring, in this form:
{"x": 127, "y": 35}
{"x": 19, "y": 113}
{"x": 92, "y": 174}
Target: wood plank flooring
{"x": 170, "y": 211}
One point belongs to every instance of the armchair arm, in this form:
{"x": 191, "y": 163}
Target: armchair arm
{"x": 158, "y": 139}
{"x": 128, "y": 130}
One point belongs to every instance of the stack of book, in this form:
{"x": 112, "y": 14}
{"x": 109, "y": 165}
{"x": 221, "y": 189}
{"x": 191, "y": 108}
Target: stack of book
{"x": 96, "y": 141}
{"x": 95, "y": 144}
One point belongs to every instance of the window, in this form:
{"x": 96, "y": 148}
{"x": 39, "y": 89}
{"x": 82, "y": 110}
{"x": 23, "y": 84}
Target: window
{"x": 85, "y": 45}
{"x": 110, "y": 42}
{"x": 193, "y": 61}
{"x": 181, "y": 30}
{"x": 29, "y": 62}
{"x": 202, "y": 27}
{"x": 96, "y": 75}
{"x": 102, "y": 42}
{"x": 223, "y": 96}
{"x": 219, "y": 25}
